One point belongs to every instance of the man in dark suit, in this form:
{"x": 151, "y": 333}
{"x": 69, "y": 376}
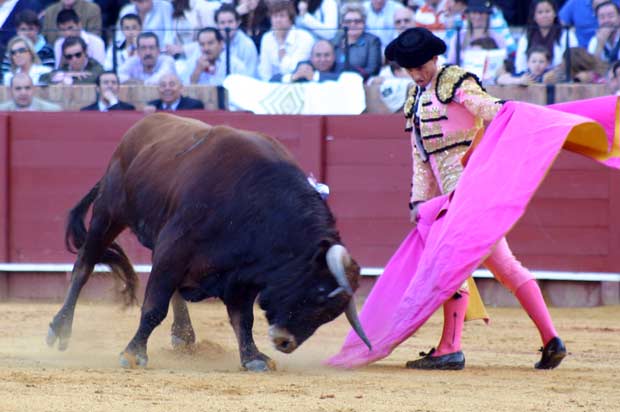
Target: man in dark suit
{"x": 170, "y": 96}
{"x": 320, "y": 67}
{"x": 107, "y": 86}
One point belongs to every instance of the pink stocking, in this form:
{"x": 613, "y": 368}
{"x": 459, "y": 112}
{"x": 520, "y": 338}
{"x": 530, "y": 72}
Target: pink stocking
{"x": 531, "y": 299}
{"x": 453, "y": 320}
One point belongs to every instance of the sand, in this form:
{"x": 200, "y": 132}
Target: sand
{"x": 499, "y": 375}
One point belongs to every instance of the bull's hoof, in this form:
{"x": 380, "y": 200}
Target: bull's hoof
{"x": 130, "y": 360}
{"x": 260, "y": 365}
{"x": 182, "y": 345}
{"x": 52, "y": 337}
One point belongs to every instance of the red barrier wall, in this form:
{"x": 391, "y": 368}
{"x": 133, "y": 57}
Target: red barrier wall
{"x": 54, "y": 158}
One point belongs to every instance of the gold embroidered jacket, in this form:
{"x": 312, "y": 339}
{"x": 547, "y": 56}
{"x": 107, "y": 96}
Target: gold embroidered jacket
{"x": 444, "y": 119}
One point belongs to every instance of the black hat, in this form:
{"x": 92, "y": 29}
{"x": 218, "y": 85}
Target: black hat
{"x": 481, "y": 6}
{"x": 414, "y": 47}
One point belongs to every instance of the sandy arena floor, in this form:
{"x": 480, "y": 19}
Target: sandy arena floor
{"x": 499, "y": 375}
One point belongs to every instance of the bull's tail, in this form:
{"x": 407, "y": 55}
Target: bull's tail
{"x": 114, "y": 256}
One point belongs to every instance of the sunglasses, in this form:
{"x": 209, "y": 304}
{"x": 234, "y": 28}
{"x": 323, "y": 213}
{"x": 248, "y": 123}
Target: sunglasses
{"x": 399, "y": 21}
{"x": 353, "y": 21}
{"x": 20, "y": 50}
{"x": 71, "y": 56}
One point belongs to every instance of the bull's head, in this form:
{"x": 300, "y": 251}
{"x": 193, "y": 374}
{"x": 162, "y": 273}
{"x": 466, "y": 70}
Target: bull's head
{"x": 320, "y": 303}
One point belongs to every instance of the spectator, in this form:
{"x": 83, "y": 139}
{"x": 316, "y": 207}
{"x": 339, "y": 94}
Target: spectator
{"x": 209, "y": 65}
{"x": 430, "y": 16}
{"x": 77, "y": 67}
{"x": 544, "y": 29}
{"x": 584, "y": 68}
{"x": 88, "y": 12}
{"x": 364, "y": 48}
{"x": 321, "y": 66}
{"x": 131, "y": 26}
{"x": 23, "y": 99}
{"x": 614, "y": 78}
{"x": 29, "y": 26}
{"x": 156, "y": 17}
{"x": 240, "y": 44}
{"x": 148, "y": 65}
{"x": 404, "y": 19}
{"x": 107, "y": 86}
{"x": 24, "y": 60}
{"x": 454, "y": 18}
{"x": 605, "y": 44}
{"x": 320, "y": 17}
{"x": 68, "y": 23}
{"x": 380, "y": 19}
{"x": 188, "y": 17}
{"x": 10, "y": 9}
{"x": 538, "y": 63}
{"x": 580, "y": 13}
{"x": 478, "y": 14}
{"x": 171, "y": 97}
{"x": 284, "y": 46}
{"x": 255, "y": 20}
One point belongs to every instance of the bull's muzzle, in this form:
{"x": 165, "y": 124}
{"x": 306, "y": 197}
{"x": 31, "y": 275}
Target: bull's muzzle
{"x": 282, "y": 339}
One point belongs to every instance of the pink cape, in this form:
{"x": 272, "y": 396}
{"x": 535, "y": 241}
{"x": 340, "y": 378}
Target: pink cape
{"x": 501, "y": 177}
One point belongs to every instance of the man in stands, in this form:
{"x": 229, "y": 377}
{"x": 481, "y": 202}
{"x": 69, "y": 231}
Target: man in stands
{"x": 107, "y": 87}
{"x": 241, "y": 45}
{"x": 77, "y": 67}
{"x": 209, "y": 65}
{"x": 404, "y": 19}
{"x": 89, "y": 12}
{"x": 23, "y": 99}
{"x": 68, "y": 23}
{"x": 380, "y": 18}
{"x": 171, "y": 97}
{"x": 149, "y": 65}
{"x": 29, "y": 26}
{"x": 320, "y": 67}
{"x": 605, "y": 44}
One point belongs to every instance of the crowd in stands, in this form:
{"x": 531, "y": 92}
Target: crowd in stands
{"x": 176, "y": 43}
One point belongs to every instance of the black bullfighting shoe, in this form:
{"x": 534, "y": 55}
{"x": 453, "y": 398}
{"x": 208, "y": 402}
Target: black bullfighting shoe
{"x": 451, "y": 361}
{"x": 552, "y": 354}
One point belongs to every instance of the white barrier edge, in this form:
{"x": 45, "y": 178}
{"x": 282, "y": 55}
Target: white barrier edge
{"x": 367, "y": 271}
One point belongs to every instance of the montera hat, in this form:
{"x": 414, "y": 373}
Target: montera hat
{"x": 480, "y": 6}
{"x": 414, "y": 47}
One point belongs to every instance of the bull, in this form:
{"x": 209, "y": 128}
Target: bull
{"x": 226, "y": 213}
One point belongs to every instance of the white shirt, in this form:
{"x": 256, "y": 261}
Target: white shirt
{"x": 199, "y": 16}
{"x": 158, "y": 21}
{"x": 217, "y": 77}
{"x": 298, "y": 45}
{"x": 381, "y": 23}
{"x": 593, "y": 44}
{"x": 95, "y": 49}
{"x": 558, "y": 50}
{"x": 323, "y": 22}
{"x": 5, "y": 10}
{"x": 36, "y": 70}
{"x": 132, "y": 69}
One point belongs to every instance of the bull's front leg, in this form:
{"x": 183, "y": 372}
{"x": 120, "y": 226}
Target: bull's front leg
{"x": 241, "y": 316}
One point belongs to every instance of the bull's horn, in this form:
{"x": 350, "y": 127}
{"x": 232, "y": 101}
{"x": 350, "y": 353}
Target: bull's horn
{"x": 335, "y": 258}
{"x": 355, "y": 322}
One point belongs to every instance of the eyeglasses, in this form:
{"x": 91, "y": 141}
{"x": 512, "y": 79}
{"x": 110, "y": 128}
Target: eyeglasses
{"x": 353, "y": 21}
{"x": 20, "y": 50}
{"x": 71, "y": 56}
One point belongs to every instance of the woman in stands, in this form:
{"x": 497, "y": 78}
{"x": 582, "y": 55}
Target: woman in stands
{"x": 478, "y": 15}
{"x": 254, "y": 19}
{"x": 24, "y": 60}
{"x": 320, "y": 17}
{"x": 364, "y": 49}
{"x": 544, "y": 29}
{"x": 188, "y": 17}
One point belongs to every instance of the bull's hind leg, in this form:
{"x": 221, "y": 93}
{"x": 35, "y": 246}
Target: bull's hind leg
{"x": 241, "y": 314}
{"x": 101, "y": 234}
{"x": 182, "y": 332}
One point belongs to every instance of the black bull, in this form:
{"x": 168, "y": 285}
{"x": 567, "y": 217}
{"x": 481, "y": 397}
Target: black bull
{"x": 227, "y": 214}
